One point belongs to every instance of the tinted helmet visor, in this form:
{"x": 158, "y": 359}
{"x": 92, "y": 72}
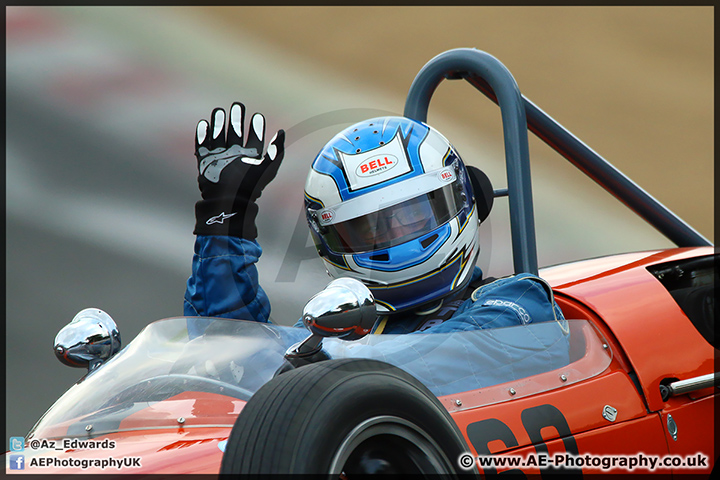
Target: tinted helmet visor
{"x": 395, "y": 224}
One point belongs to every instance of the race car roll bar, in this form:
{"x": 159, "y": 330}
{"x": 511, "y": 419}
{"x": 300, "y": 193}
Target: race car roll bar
{"x": 519, "y": 114}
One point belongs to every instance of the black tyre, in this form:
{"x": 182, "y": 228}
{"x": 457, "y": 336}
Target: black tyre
{"x": 350, "y": 416}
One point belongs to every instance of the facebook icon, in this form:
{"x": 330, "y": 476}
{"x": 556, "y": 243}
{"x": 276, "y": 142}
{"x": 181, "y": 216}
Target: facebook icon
{"x": 17, "y": 462}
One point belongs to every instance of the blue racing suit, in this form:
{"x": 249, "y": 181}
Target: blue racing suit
{"x": 224, "y": 283}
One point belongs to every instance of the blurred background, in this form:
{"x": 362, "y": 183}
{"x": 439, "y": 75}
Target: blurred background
{"x": 101, "y": 105}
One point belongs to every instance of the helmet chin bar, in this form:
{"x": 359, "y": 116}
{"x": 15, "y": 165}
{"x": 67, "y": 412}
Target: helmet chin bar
{"x": 345, "y": 309}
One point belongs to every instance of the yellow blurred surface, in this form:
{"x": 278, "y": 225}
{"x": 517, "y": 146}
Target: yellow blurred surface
{"x": 634, "y": 83}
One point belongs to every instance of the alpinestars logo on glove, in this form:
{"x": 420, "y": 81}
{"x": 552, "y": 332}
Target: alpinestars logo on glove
{"x": 219, "y": 218}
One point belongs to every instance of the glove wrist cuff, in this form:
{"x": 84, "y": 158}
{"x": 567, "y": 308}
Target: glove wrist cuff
{"x": 226, "y": 216}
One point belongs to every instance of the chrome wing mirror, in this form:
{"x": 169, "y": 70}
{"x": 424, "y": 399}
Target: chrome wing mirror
{"x": 345, "y": 309}
{"x": 91, "y": 338}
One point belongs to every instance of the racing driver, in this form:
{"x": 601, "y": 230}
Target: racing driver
{"x": 388, "y": 201}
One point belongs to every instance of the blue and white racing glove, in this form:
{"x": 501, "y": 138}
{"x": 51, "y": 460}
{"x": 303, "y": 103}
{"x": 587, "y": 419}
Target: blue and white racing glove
{"x": 233, "y": 172}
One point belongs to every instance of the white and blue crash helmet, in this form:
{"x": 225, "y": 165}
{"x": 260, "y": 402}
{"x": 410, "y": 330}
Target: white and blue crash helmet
{"x": 389, "y": 202}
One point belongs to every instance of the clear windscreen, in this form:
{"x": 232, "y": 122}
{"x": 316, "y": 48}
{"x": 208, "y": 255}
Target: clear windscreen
{"x": 232, "y": 359}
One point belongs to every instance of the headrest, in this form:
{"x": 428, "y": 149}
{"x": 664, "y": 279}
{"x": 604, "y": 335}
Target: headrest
{"x": 483, "y": 190}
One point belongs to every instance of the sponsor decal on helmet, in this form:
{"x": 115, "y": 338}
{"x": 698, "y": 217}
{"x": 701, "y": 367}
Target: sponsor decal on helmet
{"x": 375, "y": 165}
{"x": 369, "y": 168}
{"x": 326, "y": 216}
{"x": 446, "y": 175}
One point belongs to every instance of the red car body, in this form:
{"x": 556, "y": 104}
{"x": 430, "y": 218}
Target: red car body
{"x": 617, "y": 295}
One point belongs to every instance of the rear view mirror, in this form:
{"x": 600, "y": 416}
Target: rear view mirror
{"x": 345, "y": 309}
{"x": 91, "y": 338}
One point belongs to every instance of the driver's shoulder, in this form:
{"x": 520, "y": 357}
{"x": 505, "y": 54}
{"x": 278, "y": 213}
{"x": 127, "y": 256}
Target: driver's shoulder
{"x": 506, "y": 285}
{"x": 525, "y": 295}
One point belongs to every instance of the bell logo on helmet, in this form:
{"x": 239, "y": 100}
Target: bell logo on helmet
{"x": 326, "y": 216}
{"x": 380, "y": 164}
{"x": 446, "y": 175}
{"x": 375, "y": 165}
